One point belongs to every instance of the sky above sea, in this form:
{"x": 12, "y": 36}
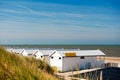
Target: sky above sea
{"x": 59, "y": 21}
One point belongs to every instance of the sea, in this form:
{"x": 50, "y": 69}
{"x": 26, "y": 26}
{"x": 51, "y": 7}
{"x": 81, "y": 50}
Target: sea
{"x": 109, "y": 50}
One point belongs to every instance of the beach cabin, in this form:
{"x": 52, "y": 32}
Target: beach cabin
{"x": 18, "y": 51}
{"x": 38, "y": 55}
{"x": 28, "y": 52}
{"x": 33, "y": 52}
{"x": 24, "y": 52}
{"x": 68, "y": 60}
{"x": 10, "y": 50}
{"x": 46, "y": 53}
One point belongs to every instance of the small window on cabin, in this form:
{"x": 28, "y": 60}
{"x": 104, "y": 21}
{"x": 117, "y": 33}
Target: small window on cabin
{"x": 82, "y": 57}
{"x": 41, "y": 56}
{"x": 51, "y": 57}
{"x": 59, "y": 57}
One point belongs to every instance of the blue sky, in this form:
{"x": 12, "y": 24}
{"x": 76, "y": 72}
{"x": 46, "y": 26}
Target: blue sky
{"x": 59, "y": 22}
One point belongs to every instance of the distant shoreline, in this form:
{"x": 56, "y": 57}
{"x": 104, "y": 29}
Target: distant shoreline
{"x": 61, "y": 44}
{"x": 109, "y": 50}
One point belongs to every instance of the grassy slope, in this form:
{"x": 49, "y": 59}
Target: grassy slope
{"x": 17, "y": 67}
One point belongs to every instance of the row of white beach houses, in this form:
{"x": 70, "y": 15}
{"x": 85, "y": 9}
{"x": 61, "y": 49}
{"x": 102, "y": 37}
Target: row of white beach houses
{"x": 65, "y": 59}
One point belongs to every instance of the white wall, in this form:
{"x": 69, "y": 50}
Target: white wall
{"x": 55, "y": 61}
{"x": 47, "y": 59}
{"x": 39, "y": 55}
{"x": 87, "y": 62}
{"x": 90, "y": 62}
{"x": 73, "y": 63}
{"x": 24, "y": 53}
{"x": 70, "y": 63}
{"x": 119, "y": 65}
{"x": 100, "y": 63}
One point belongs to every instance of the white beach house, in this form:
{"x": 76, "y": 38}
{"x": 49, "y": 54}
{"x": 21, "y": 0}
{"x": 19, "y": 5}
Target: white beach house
{"x": 18, "y": 51}
{"x": 67, "y": 60}
{"x": 24, "y": 52}
{"x": 38, "y": 55}
{"x": 10, "y": 50}
{"x": 21, "y": 51}
{"x": 46, "y": 53}
{"x": 29, "y": 52}
{"x": 33, "y": 52}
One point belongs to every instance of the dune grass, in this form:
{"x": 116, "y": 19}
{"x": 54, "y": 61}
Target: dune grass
{"x": 18, "y": 67}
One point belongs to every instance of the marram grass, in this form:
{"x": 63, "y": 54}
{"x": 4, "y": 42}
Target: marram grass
{"x": 17, "y": 67}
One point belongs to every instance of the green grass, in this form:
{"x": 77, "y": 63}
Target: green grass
{"x": 18, "y": 67}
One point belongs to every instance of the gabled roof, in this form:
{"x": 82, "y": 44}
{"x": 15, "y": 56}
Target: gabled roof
{"x": 30, "y": 51}
{"x": 52, "y": 53}
{"x": 80, "y": 52}
{"x": 37, "y": 51}
{"x": 63, "y": 51}
{"x": 91, "y": 53}
{"x": 10, "y": 49}
{"x": 18, "y": 50}
{"x": 46, "y": 52}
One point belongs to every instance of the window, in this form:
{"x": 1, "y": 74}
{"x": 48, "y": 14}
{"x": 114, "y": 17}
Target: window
{"x": 51, "y": 57}
{"x": 59, "y": 57}
{"x": 41, "y": 56}
{"x": 82, "y": 57}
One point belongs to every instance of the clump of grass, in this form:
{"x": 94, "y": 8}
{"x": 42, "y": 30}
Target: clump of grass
{"x": 55, "y": 69}
{"x": 17, "y": 67}
{"x": 44, "y": 66}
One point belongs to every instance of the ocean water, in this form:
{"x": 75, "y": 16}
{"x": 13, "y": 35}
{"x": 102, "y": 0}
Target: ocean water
{"x": 109, "y": 50}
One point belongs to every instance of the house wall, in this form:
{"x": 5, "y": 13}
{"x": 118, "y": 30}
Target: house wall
{"x": 47, "y": 59}
{"x": 39, "y": 55}
{"x": 87, "y": 62}
{"x": 10, "y": 50}
{"x": 24, "y": 53}
{"x": 100, "y": 63}
{"x": 70, "y": 63}
{"x": 55, "y": 61}
{"x": 74, "y": 63}
{"x": 90, "y": 62}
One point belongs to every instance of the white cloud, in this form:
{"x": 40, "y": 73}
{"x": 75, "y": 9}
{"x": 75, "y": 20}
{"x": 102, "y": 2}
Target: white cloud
{"x": 22, "y": 9}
